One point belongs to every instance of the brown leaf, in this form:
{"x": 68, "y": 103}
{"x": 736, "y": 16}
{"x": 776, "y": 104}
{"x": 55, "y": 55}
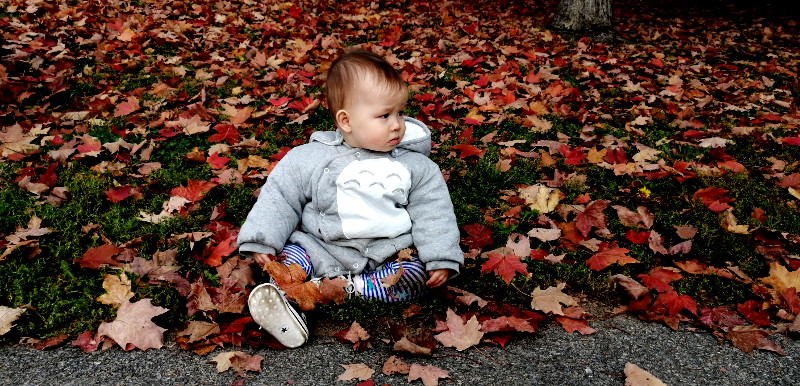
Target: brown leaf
{"x": 781, "y": 278}
{"x": 540, "y": 197}
{"x": 550, "y": 299}
{"x": 459, "y": 334}
{"x": 631, "y": 286}
{"x": 292, "y": 279}
{"x": 118, "y": 290}
{"x": 468, "y": 298}
{"x": 239, "y": 361}
{"x": 7, "y": 318}
{"x": 199, "y": 330}
{"x": 133, "y": 326}
{"x": 97, "y": 257}
{"x": 430, "y": 375}
{"x": 748, "y": 338}
{"x": 395, "y": 365}
{"x": 405, "y": 345}
{"x": 635, "y": 376}
{"x": 357, "y": 371}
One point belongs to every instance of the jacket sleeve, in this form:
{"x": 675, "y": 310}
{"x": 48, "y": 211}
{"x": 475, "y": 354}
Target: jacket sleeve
{"x": 278, "y": 209}
{"x": 433, "y": 223}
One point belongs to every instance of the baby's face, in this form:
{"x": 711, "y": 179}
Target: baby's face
{"x": 375, "y": 117}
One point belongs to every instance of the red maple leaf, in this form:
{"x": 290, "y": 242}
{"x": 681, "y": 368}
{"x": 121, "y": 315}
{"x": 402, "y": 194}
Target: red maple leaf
{"x": 714, "y": 198}
{"x": 609, "y": 256}
{"x": 720, "y": 316}
{"x": 194, "y": 190}
{"x": 637, "y": 237}
{"x": 97, "y": 257}
{"x": 225, "y": 132}
{"x": 675, "y": 303}
{"x": 217, "y": 161}
{"x": 478, "y": 237}
{"x": 659, "y": 279}
{"x": 592, "y": 216}
{"x": 753, "y": 311}
{"x": 465, "y": 151}
{"x": 116, "y": 195}
{"x": 505, "y": 266}
{"x": 573, "y": 156}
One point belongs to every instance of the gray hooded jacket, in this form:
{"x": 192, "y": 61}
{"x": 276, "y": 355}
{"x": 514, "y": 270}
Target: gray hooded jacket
{"x": 355, "y": 207}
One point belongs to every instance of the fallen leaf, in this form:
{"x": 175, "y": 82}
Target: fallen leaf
{"x": 540, "y": 198}
{"x": 459, "y": 334}
{"x": 551, "y": 299}
{"x": 609, "y": 256}
{"x": 7, "y": 318}
{"x": 239, "y": 361}
{"x": 429, "y": 375}
{"x": 395, "y": 365}
{"x": 133, "y": 327}
{"x": 635, "y": 376}
{"x": 357, "y": 371}
{"x": 118, "y": 290}
{"x": 505, "y": 266}
{"x": 781, "y": 278}
{"x": 631, "y": 286}
{"x": 748, "y": 338}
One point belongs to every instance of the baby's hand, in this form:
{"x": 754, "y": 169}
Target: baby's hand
{"x": 262, "y": 258}
{"x": 437, "y": 277}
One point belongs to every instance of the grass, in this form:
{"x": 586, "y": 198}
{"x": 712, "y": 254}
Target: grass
{"x": 60, "y": 296}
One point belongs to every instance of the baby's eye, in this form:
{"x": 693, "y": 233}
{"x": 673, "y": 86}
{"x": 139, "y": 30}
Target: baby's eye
{"x": 384, "y": 116}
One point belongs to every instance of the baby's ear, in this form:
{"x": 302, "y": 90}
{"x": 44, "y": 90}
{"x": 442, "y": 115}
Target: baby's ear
{"x": 342, "y": 119}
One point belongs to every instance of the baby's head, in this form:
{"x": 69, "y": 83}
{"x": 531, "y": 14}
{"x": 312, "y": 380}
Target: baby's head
{"x": 366, "y": 97}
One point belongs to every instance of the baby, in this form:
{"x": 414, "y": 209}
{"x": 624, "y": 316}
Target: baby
{"x": 359, "y": 194}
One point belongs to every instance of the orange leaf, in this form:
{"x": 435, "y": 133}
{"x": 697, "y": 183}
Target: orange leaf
{"x": 506, "y": 266}
{"x": 606, "y": 257}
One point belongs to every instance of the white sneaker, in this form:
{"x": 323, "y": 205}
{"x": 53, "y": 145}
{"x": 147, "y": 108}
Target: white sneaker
{"x": 270, "y": 309}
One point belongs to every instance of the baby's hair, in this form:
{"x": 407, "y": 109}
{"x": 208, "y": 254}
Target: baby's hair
{"x": 349, "y": 69}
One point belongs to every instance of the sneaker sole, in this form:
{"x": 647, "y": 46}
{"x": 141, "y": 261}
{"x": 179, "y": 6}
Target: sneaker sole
{"x": 275, "y": 315}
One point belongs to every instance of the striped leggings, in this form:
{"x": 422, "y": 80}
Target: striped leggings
{"x": 410, "y": 285}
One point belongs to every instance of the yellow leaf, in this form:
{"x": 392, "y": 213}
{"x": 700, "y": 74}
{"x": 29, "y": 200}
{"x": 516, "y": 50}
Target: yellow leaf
{"x": 118, "y": 290}
{"x": 596, "y": 156}
{"x": 794, "y": 193}
{"x": 540, "y": 197}
{"x": 781, "y": 278}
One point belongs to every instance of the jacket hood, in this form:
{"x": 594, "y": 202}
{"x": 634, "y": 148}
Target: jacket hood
{"x": 417, "y": 138}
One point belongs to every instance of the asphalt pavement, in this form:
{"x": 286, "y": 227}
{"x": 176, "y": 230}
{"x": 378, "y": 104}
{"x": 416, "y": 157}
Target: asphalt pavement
{"x": 548, "y": 357}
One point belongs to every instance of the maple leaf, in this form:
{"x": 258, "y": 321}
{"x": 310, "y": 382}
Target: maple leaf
{"x": 87, "y": 342}
{"x": 659, "y": 278}
{"x": 97, "y": 257}
{"x": 239, "y": 361}
{"x": 356, "y": 335}
{"x": 714, "y": 198}
{"x": 748, "y": 338}
{"x": 781, "y": 278}
{"x": 198, "y": 330}
{"x": 357, "y": 371}
{"x": 606, "y": 257}
{"x": 395, "y": 365}
{"x": 507, "y": 323}
{"x": 631, "y": 286}
{"x": 754, "y": 313}
{"x": 459, "y": 334}
{"x": 429, "y": 375}
{"x": 506, "y": 266}
{"x": 591, "y": 217}
{"x": 540, "y": 197}
{"x": 720, "y": 316}
{"x": 642, "y": 218}
{"x": 14, "y": 141}
{"x": 116, "y": 195}
{"x": 468, "y": 298}
{"x": 545, "y": 234}
{"x": 194, "y": 190}
{"x": 571, "y": 325}
{"x": 675, "y": 303}
{"x": 7, "y": 318}
{"x": 478, "y": 237}
{"x": 118, "y": 290}
{"x": 292, "y": 279}
{"x": 406, "y": 345}
{"x": 635, "y": 376}
{"x": 133, "y": 326}
{"x": 124, "y": 108}
{"x": 551, "y": 299}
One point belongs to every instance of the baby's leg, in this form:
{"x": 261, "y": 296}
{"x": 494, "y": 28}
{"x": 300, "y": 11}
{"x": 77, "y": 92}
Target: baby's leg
{"x": 294, "y": 253}
{"x": 410, "y": 285}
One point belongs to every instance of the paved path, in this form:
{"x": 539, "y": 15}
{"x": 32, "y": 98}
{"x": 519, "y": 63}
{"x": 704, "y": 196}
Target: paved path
{"x": 550, "y": 357}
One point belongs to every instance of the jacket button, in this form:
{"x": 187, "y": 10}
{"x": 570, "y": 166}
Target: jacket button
{"x": 326, "y": 170}
{"x": 358, "y": 154}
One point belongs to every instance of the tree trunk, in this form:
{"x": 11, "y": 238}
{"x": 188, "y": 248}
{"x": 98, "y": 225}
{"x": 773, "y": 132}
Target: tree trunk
{"x": 585, "y": 16}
